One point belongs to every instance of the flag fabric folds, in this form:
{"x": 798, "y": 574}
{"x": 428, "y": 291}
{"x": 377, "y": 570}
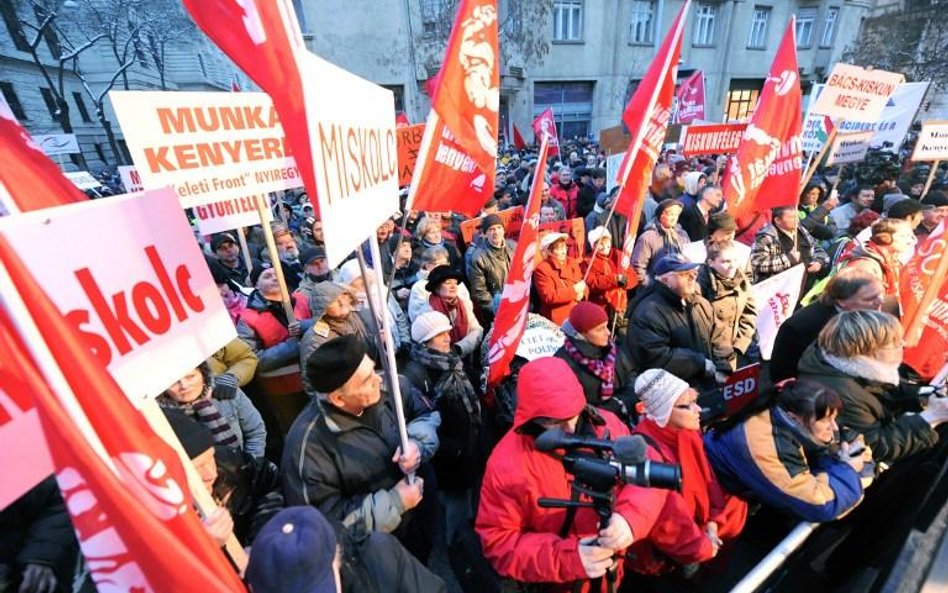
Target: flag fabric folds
{"x": 765, "y": 171}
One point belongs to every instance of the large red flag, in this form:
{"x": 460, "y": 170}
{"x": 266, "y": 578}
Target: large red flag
{"x": 923, "y": 294}
{"x": 263, "y": 38}
{"x": 131, "y": 509}
{"x": 449, "y": 178}
{"x": 23, "y": 164}
{"x": 765, "y": 171}
{"x": 511, "y": 318}
{"x": 647, "y": 116}
{"x": 544, "y": 126}
{"x": 690, "y": 99}
{"x": 518, "y": 141}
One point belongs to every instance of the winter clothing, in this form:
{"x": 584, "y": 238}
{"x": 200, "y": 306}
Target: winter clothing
{"x": 303, "y": 293}
{"x": 567, "y": 196}
{"x": 374, "y": 562}
{"x": 772, "y": 459}
{"x": 770, "y": 254}
{"x": 794, "y": 335}
{"x": 428, "y": 325}
{"x": 235, "y": 359}
{"x": 295, "y": 552}
{"x": 586, "y": 198}
{"x": 587, "y": 316}
{"x": 418, "y": 299}
{"x": 251, "y": 486}
{"x": 678, "y": 336}
{"x": 878, "y": 260}
{"x": 233, "y": 422}
{"x": 694, "y": 221}
{"x": 734, "y": 308}
{"x": 658, "y": 390}
{"x": 489, "y": 268}
{"x": 654, "y": 243}
{"x": 553, "y": 283}
{"x": 816, "y": 220}
{"x": 607, "y": 282}
{"x": 520, "y": 539}
{"x": 263, "y": 326}
{"x": 418, "y": 247}
{"x": 328, "y": 368}
{"x": 690, "y": 196}
{"x": 871, "y": 406}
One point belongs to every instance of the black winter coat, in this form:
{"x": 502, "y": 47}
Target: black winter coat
{"x": 252, "y": 488}
{"x": 375, "y": 562}
{"x": 793, "y": 337}
{"x": 668, "y": 333}
{"x": 623, "y": 400}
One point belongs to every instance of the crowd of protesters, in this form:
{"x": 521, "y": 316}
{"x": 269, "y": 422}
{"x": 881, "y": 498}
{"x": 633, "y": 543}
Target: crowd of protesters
{"x": 293, "y": 426}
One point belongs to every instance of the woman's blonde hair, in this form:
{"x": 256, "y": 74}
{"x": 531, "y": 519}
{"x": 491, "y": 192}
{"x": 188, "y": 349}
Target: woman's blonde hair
{"x": 422, "y": 227}
{"x": 860, "y": 333}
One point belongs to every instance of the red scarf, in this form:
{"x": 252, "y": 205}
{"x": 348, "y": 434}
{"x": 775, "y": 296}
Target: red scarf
{"x": 456, "y": 313}
{"x": 686, "y": 448}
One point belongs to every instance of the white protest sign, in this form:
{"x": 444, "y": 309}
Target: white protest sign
{"x": 776, "y": 298}
{"x": 540, "y": 338}
{"x": 697, "y": 252}
{"x": 612, "y": 170}
{"x": 83, "y": 180}
{"x": 932, "y": 143}
{"x": 855, "y": 93}
{"x": 134, "y": 284}
{"x": 212, "y": 148}
{"x": 849, "y": 148}
{"x": 889, "y": 130}
{"x": 130, "y": 179}
{"x": 355, "y": 153}
{"x": 57, "y": 144}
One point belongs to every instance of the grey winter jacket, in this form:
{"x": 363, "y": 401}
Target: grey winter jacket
{"x": 650, "y": 247}
{"x": 489, "y": 268}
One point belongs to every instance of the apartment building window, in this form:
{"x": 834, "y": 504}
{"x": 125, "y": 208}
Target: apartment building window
{"x": 51, "y": 105}
{"x": 81, "y": 106}
{"x": 829, "y": 27}
{"x": 8, "y": 11}
{"x": 704, "y": 25}
{"x": 806, "y": 18}
{"x": 641, "y": 30}
{"x": 12, "y": 100}
{"x": 100, "y": 153}
{"x": 742, "y": 99}
{"x": 571, "y": 102}
{"x": 433, "y": 18}
{"x": 568, "y": 20}
{"x": 758, "y": 32}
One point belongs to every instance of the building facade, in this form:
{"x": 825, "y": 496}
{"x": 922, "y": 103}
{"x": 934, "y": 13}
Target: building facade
{"x": 595, "y": 50}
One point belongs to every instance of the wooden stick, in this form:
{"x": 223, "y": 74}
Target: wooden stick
{"x": 248, "y": 261}
{"x": 913, "y": 331}
{"x": 931, "y": 178}
{"x": 819, "y": 157}
{"x": 274, "y": 257}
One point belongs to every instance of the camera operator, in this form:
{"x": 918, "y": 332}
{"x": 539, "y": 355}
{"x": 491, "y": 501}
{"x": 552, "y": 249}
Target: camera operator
{"x": 530, "y": 544}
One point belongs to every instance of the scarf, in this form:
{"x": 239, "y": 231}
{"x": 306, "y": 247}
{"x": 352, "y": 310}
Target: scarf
{"x": 670, "y": 239}
{"x": 452, "y": 381}
{"x": 456, "y": 314}
{"x": 603, "y": 369}
{"x": 864, "y": 367}
{"x": 696, "y": 475}
{"x": 731, "y": 283}
{"x": 204, "y": 410}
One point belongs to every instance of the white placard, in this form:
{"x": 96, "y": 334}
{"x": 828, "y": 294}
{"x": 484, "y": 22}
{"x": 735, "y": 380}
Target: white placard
{"x": 849, "y": 148}
{"x": 613, "y": 163}
{"x": 697, "y": 252}
{"x": 853, "y": 93}
{"x": 57, "y": 144}
{"x": 133, "y": 282}
{"x": 540, "y": 338}
{"x": 932, "y": 143}
{"x": 207, "y": 146}
{"x": 130, "y": 179}
{"x": 776, "y": 298}
{"x": 83, "y": 180}
{"x": 355, "y": 153}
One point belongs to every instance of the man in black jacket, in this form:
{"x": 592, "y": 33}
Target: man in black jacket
{"x": 671, "y": 326}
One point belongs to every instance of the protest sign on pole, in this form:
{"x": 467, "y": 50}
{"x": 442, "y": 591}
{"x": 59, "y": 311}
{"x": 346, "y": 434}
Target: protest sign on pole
{"x": 776, "y": 298}
{"x": 544, "y": 126}
{"x": 710, "y": 139}
{"x": 848, "y": 148}
{"x": 856, "y": 94}
{"x": 131, "y": 180}
{"x": 355, "y": 154}
{"x": 215, "y": 149}
{"x": 409, "y": 142}
{"x": 932, "y": 142}
{"x": 613, "y": 163}
{"x": 83, "y": 180}
{"x": 141, "y": 294}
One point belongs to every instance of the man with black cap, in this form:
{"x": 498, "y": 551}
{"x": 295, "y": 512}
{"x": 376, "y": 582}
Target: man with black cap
{"x": 232, "y": 265}
{"x": 490, "y": 264}
{"x": 671, "y": 326}
{"x": 932, "y": 217}
{"x": 343, "y": 453}
{"x": 315, "y": 270}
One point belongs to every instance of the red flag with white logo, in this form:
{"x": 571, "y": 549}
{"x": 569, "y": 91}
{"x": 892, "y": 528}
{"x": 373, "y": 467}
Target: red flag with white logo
{"x": 647, "y": 116}
{"x": 450, "y": 178}
{"x": 123, "y": 486}
{"x": 518, "y": 140}
{"x": 690, "y": 99}
{"x": 765, "y": 171}
{"x": 924, "y": 299}
{"x": 544, "y": 126}
{"x": 263, "y": 38}
{"x": 511, "y": 318}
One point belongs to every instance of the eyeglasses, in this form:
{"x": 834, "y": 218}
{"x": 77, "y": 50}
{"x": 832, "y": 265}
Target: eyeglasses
{"x": 686, "y": 406}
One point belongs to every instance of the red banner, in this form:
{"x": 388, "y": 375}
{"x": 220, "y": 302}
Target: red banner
{"x": 690, "y": 99}
{"x": 647, "y": 116}
{"x": 467, "y": 95}
{"x": 741, "y": 388}
{"x": 765, "y": 171}
{"x": 924, "y": 299}
{"x": 518, "y": 140}
{"x": 511, "y": 317}
{"x": 545, "y": 126}
{"x": 263, "y": 38}
{"x": 712, "y": 139}
{"x": 449, "y": 179}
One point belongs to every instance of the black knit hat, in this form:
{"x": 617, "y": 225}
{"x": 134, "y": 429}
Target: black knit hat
{"x": 255, "y": 273}
{"x": 334, "y": 363}
{"x": 195, "y": 437}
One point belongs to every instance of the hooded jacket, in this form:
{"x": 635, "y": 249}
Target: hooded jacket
{"x": 603, "y": 281}
{"x": 871, "y": 408}
{"x": 520, "y": 539}
{"x": 690, "y": 197}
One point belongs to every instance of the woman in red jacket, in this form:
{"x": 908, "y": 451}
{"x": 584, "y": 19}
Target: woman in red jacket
{"x": 606, "y": 282}
{"x": 557, "y": 281}
{"x": 692, "y": 524}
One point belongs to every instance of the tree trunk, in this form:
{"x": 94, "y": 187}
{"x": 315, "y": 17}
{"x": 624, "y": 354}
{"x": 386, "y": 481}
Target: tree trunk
{"x": 110, "y": 134}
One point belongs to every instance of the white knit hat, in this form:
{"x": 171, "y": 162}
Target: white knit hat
{"x": 597, "y": 233}
{"x": 428, "y": 325}
{"x": 659, "y": 390}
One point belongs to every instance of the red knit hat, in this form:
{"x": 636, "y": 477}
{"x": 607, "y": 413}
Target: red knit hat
{"x": 585, "y": 316}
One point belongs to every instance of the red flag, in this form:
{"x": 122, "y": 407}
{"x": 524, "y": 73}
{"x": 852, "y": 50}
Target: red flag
{"x": 131, "y": 511}
{"x": 401, "y": 120}
{"x": 647, "y": 116}
{"x": 263, "y": 38}
{"x": 32, "y": 180}
{"x": 518, "y": 141}
{"x": 923, "y": 295}
{"x": 449, "y": 179}
{"x": 765, "y": 171}
{"x": 628, "y": 246}
{"x": 545, "y": 126}
{"x": 467, "y": 95}
{"x": 511, "y": 318}
{"x": 690, "y": 98}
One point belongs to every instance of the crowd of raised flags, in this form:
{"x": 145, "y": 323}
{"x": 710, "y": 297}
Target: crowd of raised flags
{"x": 511, "y": 292}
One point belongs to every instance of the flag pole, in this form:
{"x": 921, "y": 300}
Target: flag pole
{"x": 913, "y": 331}
{"x": 931, "y": 177}
{"x": 274, "y": 258}
{"x": 245, "y": 249}
{"x": 375, "y": 291}
{"x": 819, "y": 157}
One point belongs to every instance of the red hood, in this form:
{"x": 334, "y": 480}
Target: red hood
{"x": 547, "y": 387}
